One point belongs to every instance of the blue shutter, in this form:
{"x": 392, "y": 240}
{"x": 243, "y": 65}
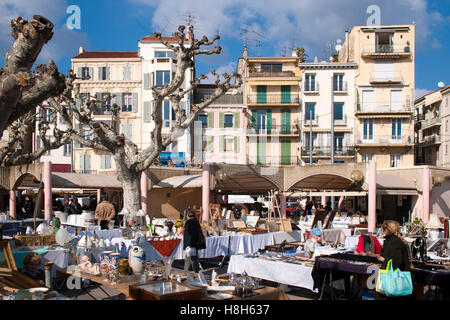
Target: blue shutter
{"x": 399, "y": 128}
{"x": 394, "y": 129}
{"x": 365, "y": 129}
{"x": 370, "y": 129}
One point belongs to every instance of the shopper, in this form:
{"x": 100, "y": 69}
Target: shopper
{"x": 31, "y": 263}
{"x": 104, "y": 212}
{"x": 75, "y": 207}
{"x": 315, "y": 240}
{"x": 194, "y": 240}
{"x": 27, "y": 208}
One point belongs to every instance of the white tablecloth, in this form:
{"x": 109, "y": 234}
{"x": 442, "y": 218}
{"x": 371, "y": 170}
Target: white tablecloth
{"x": 286, "y": 273}
{"x": 249, "y": 243}
{"x": 279, "y": 237}
{"x": 325, "y": 251}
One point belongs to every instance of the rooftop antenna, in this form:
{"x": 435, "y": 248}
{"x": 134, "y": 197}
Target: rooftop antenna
{"x": 190, "y": 19}
{"x": 251, "y": 39}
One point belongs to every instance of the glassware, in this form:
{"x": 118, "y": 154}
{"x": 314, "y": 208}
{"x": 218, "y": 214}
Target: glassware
{"x": 232, "y": 279}
{"x": 167, "y": 265}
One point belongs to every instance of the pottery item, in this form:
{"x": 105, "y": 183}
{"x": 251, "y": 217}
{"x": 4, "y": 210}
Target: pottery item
{"x": 113, "y": 271}
{"x": 104, "y": 263}
{"x": 136, "y": 259}
{"x": 123, "y": 266}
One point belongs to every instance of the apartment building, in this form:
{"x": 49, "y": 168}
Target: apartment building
{"x": 114, "y": 78}
{"x": 432, "y": 116}
{"x": 272, "y": 96}
{"x": 158, "y": 68}
{"x": 327, "y": 100}
{"x": 219, "y": 131}
{"x": 384, "y": 84}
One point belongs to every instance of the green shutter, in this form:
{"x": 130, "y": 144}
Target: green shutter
{"x": 269, "y": 121}
{"x": 236, "y": 144}
{"x": 254, "y": 115}
{"x": 261, "y": 149}
{"x": 261, "y": 95}
{"x": 285, "y": 152}
{"x": 210, "y": 146}
{"x": 221, "y": 143}
{"x": 285, "y": 94}
{"x": 286, "y": 121}
{"x": 221, "y": 119}
{"x": 236, "y": 119}
{"x": 210, "y": 119}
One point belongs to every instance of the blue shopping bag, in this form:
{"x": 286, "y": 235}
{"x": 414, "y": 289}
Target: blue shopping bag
{"x": 396, "y": 283}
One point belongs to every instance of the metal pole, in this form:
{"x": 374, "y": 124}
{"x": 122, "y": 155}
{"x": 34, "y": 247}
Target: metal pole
{"x": 310, "y": 137}
{"x": 332, "y": 131}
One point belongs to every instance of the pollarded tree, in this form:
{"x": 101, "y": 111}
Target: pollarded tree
{"x": 129, "y": 159}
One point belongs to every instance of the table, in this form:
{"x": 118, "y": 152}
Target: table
{"x": 59, "y": 257}
{"x": 249, "y": 243}
{"x": 286, "y": 273}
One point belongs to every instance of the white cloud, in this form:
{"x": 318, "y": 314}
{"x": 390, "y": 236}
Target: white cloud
{"x": 419, "y": 92}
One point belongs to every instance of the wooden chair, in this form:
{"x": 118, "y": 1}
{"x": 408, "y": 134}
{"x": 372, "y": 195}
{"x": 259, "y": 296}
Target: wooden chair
{"x": 319, "y": 216}
{"x": 330, "y": 219}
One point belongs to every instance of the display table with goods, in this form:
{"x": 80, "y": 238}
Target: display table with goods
{"x": 288, "y": 269}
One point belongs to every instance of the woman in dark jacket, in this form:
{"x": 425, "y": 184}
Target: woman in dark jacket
{"x": 395, "y": 248}
{"x": 192, "y": 238}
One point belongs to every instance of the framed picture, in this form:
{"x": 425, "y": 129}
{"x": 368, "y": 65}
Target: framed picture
{"x": 239, "y": 224}
{"x": 7, "y": 262}
{"x": 252, "y": 221}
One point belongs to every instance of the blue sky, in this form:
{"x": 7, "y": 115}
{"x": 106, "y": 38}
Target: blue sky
{"x": 268, "y": 27}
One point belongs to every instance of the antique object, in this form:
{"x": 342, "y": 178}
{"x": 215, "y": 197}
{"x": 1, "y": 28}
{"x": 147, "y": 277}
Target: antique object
{"x": 62, "y": 236}
{"x": 7, "y": 262}
{"x": 124, "y": 267}
{"x": 32, "y": 240}
{"x": 113, "y": 270}
{"x": 48, "y": 274}
{"x": 104, "y": 263}
{"x": 165, "y": 290}
{"x": 433, "y": 226}
{"x": 136, "y": 259}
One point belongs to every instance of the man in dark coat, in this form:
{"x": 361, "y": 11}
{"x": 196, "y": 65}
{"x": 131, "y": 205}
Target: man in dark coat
{"x": 75, "y": 207}
{"x": 193, "y": 240}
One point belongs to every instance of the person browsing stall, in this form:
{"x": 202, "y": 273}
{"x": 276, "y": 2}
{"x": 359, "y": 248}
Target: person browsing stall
{"x": 193, "y": 240}
{"x": 315, "y": 240}
{"x": 104, "y": 212}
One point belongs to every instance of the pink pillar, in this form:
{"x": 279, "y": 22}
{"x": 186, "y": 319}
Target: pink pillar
{"x": 144, "y": 191}
{"x": 283, "y": 204}
{"x": 426, "y": 177}
{"x": 341, "y": 202}
{"x": 372, "y": 196}
{"x": 47, "y": 190}
{"x": 99, "y": 195}
{"x": 206, "y": 192}
{"x": 324, "y": 200}
{"x": 12, "y": 204}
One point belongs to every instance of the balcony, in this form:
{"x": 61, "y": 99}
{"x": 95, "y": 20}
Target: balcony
{"x": 419, "y": 117}
{"x": 386, "y": 51}
{"x": 280, "y": 130}
{"x": 86, "y": 171}
{"x": 341, "y": 122}
{"x": 314, "y": 122}
{"x": 273, "y": 160}
{"x": 102, "y": 111}
{"x": 311, "y": 87}
{"x": 385, "y": 107}
{"x": 273, "y": 99}
{"x": 385, "y": 77}
{"x": 340, "y": 87}
{"x": 430, "y": 140}
{"x": 383, "y": 141}
{"x": 164, "y": 60}
{"x": 225, "y": 99}
{"x": 431, "y": 123}
{"x": 325, "y": 151}
{"x": 267, "y": 74}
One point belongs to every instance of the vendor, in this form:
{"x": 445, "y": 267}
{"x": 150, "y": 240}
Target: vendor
{"x": 31, "y": 263}
{"x": 315, "y": 239}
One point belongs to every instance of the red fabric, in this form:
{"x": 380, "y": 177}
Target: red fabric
{"x": 360, "y": 247}
{"x": 165, "y": 247}
{"x": 378, "y": 246}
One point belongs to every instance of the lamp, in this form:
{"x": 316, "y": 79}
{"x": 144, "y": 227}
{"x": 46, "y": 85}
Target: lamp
{"x": 356, "y": 175}
{"x": 438, "y": 179}
{"x": 433, "y": 226}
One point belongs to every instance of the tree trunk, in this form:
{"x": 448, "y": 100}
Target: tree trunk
{"x": 132, "y": 192}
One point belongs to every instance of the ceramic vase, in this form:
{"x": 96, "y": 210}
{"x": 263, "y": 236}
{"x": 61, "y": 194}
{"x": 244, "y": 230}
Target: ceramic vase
{"x": 113, "y": 270}
{"x": 123, "y": 267}
{"x": 104, "y": 263}
{"x": 136, "y": 259}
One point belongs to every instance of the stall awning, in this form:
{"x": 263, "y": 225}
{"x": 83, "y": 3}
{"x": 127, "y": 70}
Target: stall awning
{"x": 66, "y": 180}
{"x": 326, "y": 193}
{"x": 189, "y": 181}
{"x": 388, "y": 184}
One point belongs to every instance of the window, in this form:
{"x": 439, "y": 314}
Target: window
{"x": 366, "y": 157}
{"x": 310, "y": 111}
{"x": 314, "y": 140}
{"x": 395, "y": 160}
{"x": 86, "y": 132}
{"x": 384, "y": 41}
{"x": 368, "y": 129}
{"x": 338, "y": 82}
{"x": 162, "y": 78}
{"x": 229, "y": 144}
{"x": 228, "y": 121}
{"x": 103, "y": 73}
{"x": 47, "y": 115}
{"x": 271, "y": 67}
{"x": 127, "y": 102}
{"x": 127, "y": 73}
{"x": 106, "y": 103}
{"x": 85, "y": 73}
{"x": 67, "y": 149}
{"x": 338, "y": 141}
{"x": 166, "y": 113}
{"x": 106, "y": 161}
{"x": 203, "y": 118}
{"x": 310, "y": 82}
{"x": 165, "y": 54}
{"x": 84, "y": 97}
{"x": 338, "y": 111}
{"x": 396, "y": 129}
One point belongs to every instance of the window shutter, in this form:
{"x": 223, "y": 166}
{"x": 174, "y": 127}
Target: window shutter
{"x": 91, "y": 73}
{"x": 236, "y": 119}
{"x": 102, "y": 161}
{"x": 100, "y": 73}
{"x": 146, "y": 81}
{"x": 108, "y": 161}
{"x": 221, "y": 119}
{"x": 79, "y": 72}
{"x": 254, "y": 115}
{"x": 146, "y": 112}
{"x": 130, "y": 131}
{"x": 108, "y": 76}
{"x": 399, "y": 127}
{"x": 211, "y": 119}
{"x": 98, "y": 96}
{"x": 236, "y": 144}
{"x": 78, "y": 103}
{"x": 87, "y": 165}
{"x": 269, "y": 121}
{"x": 82, "y": 164}
{"x": 221, "y": 144}
{"x": 152, "y": 80}
{"x": 135, "y": 106}
{"x": 210, "y": 146}
{"x": 77, "y": 129}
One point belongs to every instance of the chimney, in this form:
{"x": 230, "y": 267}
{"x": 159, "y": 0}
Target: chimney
{"x": 315, "y": 60}
{"x": 346, "y": 46}
{"x": 294, "y": 52}
{"x": 81, "y": 50}
{"x": 245, "y": 53}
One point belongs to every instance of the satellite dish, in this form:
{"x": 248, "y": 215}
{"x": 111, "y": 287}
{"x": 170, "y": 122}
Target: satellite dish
{"x": 338, "y": 47}
{"x": 440, "y": 84}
